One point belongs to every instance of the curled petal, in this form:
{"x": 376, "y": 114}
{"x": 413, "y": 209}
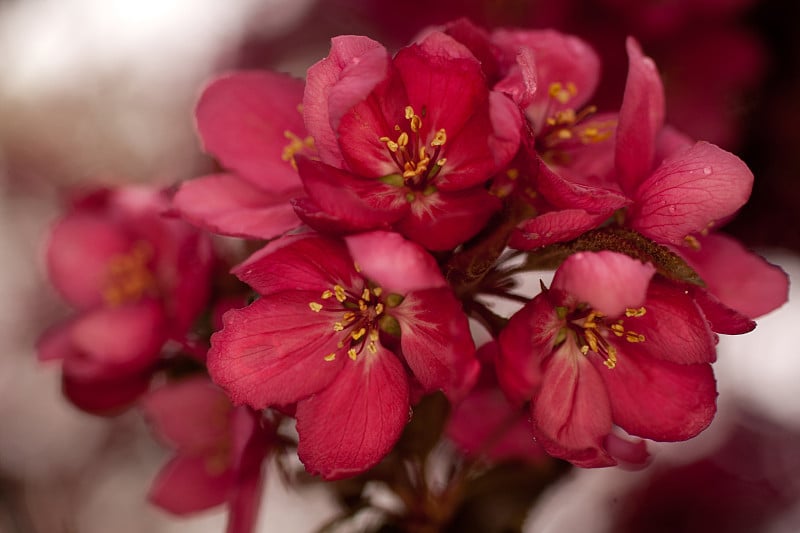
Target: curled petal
{"x": 352, "y": 424}
{"x": 610, "y": 282}
{"x": 397, "y": 265}
{"x": 226, "y": 204}
{"x": 188, "y": 484}
{"x": 690, "y": 191}
{"x": 555, "y": 226}
{"x": 640, "y": 119}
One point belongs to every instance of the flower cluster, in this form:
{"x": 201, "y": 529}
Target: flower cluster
{"x": 397, "y": 193}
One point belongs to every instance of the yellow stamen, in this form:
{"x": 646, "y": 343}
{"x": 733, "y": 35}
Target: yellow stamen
{"x": 315, "y": 307}
{"x": 440, "y": 138}
{"x": 358, "y": 334}
{"x": 377, "y": 291}
{"x": 692, "y": 242}
{"x": 338, "y": 326}
{"x": 379, "y": 309}
{"x": 630, "y": 312}
{"x": 338, "y": 290}
{"x": 352, "y": 353}
{"x": 330, "y": 357}
{"x": 365, "y": 294}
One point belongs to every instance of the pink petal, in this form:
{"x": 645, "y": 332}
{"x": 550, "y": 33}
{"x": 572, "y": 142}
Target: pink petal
{"x": 106, "y": 397}
{"x": 397, "y": 265}
{"x": 566, "y": 193}
{"x": 436, "y": 341}
{"x": 521, "y": 81}
{"x": 192, "y": 414}
{"x": 118, "y": 341}
{"x": 55, "y": 343}
{"x": 226, "y": 204}
{"x": 78, "y": 255}
{"x": 610, "y": 282}
{"x": 345, "y": 50}
{"x": 572, "y": 408}
{"x": 739, "y": 278}
{"x": 657, "y": 399}
{"x": 640, "y": 119}
{"x": 673, "y": 326}
{"x": 187, "y": 274}
{"x": 243, "y": 119}
{"x": 443, "y": 220}
{"x": 441, "y": 75}
{"x": 189, "y": 484}
{"x": 555, "y": 226}
{"x": 524, "y": 343}
{"x": 273, "y": 351}
{"x": 252, "y": 444}
{"x": 306, "y": 262}
{"x": 360, "y": 203}
{"x": 720, "y": 317}
{"x": 352, "y": 424}
{"x": 689, "y": 192}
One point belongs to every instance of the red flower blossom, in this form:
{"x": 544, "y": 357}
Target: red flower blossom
{"x": 252, "y": 123}
{"x": 407, "y": 142}
{"x": 324, "y": 336}
{"x": 219, "y": 449}
{"x": 609, "y": 345}
{"x": 137, "y": 279}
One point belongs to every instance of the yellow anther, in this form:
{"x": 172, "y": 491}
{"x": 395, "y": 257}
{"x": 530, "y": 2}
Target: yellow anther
{"x": 402, "y": 140}
{"x": 362, "y": 305}
{"x": 440, "y": 138}
{"x": 409, "y": 111}
{"x": 338, "y": 326}
{"x": 512, "y": 173}
{"x": 377, "y": 291}
{"x": 584, "y": 349}
{"x": 357, "y": 266}
{"x": 564, "y": 134}
{"x": 330, "y": 357}
{"x": 692, "y": 242}
{"x": 352, "y": 353}
{"x": 315, "y": 307}
{"x": 326, "y": 295}
{"x": 632, "y": 336}
{"x": 372, "y": 347}
{"x": 358, "y": 334}
{"x": 390, "y": 144}
{"x": 338, "y": 290}
{"x": 374, "y": 335}
{"x": 348, "y": 316}
{"x": 296, "y": 144}
{"x": 618, "y": 330}
{"x": 379, "y": 309}
{"x": 630, "y": 312}
{"x": 365, "y": 294}
{"x": 415, "y": 123}
{"x": 561, "y": 93}
{"x": 591, "y": 338}
{"x": 611, "y": 361}
{"x": 441, "y": 162}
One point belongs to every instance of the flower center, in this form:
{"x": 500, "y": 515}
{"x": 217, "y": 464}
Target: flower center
{"x": 592, "y": 332}
{"x": 417, "y": 158}
{"x": 358, "y": 318}
{"x": 566, "y": 129}
{"x": 129, "y": 276}
{"x": 296, "y": 145}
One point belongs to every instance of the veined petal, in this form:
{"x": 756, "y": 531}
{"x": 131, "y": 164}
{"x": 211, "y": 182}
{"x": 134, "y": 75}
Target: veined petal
{"x": 360, "y": 203}
{"x": 443, "y": 220}
{"x": 436, "y": 341}
{"x": 640, "y": 119}
{"x": 556, "y": 226}
{"x": 739, "y": 278}
{"x": 226, "y": 204}
{"x": 565, "y": 193}
{"x": 610, "y": 282}
{"x": 305, "y": 262}
{"x": 656, "y": 399}
{"x": 274, "y": 351}
{"x": 245, "y": 119}
{"x": 345, "y": 50}
{"x": 720, "y": 317}
{"x": 571, "y": 409}
{"x": 353, "y": 423}
{"x": 188, "y": 484}
{"x": 689, "y": 192}
{"x": 397, "y": 265}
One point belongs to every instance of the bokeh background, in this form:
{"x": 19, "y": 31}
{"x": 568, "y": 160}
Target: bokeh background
{"x": 99, "y": 92}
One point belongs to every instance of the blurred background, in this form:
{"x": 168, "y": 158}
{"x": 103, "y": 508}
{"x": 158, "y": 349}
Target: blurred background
{"x": 99, "y": 92}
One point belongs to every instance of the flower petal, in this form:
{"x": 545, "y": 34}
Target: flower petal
{"x": 640, "y": 119}
{"x": 186, "y": 485}
{"x": 436, "y": 341}
{"x": 610, "y": 282}
{"x": 105, "y": 397}
{"x": 273, "y": 351}
{"x": 739, "y": 278}
{"x": 397, "y": 265}
{"x": 353, "y": 423}
{"x": 555, "y": 226}
{"x": 244, "y": 119}
{"x": 690, "y": 191}
{"x": 226, "y": 204}
{"x": 656, "y": 399}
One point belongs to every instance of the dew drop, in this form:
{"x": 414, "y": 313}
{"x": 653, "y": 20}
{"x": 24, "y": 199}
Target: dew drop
{"x": 707, "y": 170}
{"x": 672, "y": 209}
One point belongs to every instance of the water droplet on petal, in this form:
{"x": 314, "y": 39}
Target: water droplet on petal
{"x": 672, "y": 209}
{"x": 707, "y": 170}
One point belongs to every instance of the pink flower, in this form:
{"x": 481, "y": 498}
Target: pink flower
{"x": 609, "y": 345}
{"x": 340, "y": 329}
{"x": 252, "y": 123}
{"x": 137, "y": 279}
{"x": 219, "y": 449}
{"x": 407, "y": 142}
